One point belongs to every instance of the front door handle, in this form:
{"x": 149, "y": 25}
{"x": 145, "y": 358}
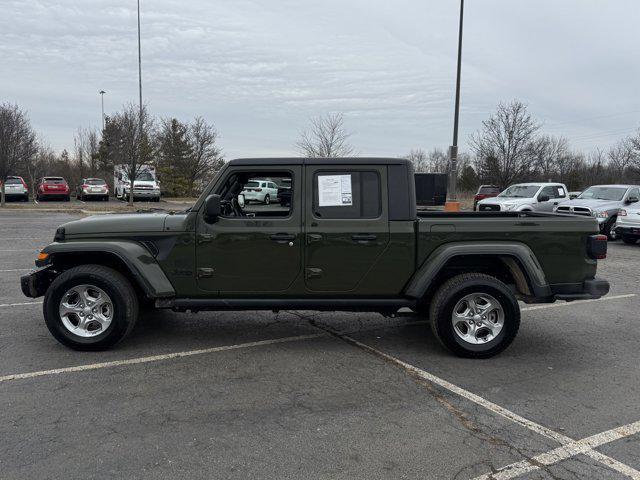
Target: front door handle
{"x": 282, "y": 237}
{"x": 363, "y": 237}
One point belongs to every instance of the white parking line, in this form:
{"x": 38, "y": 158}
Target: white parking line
{"x": 577, "y": 302}
{"x": 22, "y": 250}
{"x": 493, "y": 407}
{"x": 19, "y": 304}
{"x": 157, "y": 358}
{"x": 16, "y": 270}
{"x": 563, "y": 452}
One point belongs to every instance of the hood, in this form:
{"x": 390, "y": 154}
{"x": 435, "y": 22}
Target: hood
{"x": 503, "y": 200}
{"x": 117, "y": 223}
{"x": 593, "y": 204}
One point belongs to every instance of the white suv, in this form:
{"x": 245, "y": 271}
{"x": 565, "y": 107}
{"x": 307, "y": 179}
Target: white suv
{"x": 15, "y": 187}
{"x": 258, "y": 190}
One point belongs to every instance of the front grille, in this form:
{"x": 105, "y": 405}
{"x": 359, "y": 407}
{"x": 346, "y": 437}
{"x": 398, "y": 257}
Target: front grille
{"x": 488, "y": 208}
{"x": 584, "y": 211}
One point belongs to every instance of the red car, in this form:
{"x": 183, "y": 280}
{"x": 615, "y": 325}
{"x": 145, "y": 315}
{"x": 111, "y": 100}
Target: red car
{"x": 53, "y": 187}
{"x": 485, "y": 191}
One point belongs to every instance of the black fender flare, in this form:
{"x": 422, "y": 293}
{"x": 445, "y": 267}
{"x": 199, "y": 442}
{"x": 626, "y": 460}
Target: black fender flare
{"x": 142, "y": 265}
{"x": 422, "y": 279}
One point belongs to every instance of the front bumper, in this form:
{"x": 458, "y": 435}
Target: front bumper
{"x": 36, "y": 283}
{"x": 592, "y": 288}
{"x": 144, "y": 193}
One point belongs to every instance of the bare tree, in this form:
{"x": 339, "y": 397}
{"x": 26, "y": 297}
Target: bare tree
{"x": 548, "y": 151}
{"x": 418, "y": 158}
{"x": 206, "y": 157}
{"x": 436, "y": 161}
{"x": 621, "y": 158}
{"x": 505, "y": 144}
{"x": 38, "y": 164}
{"x": 126, "y": 140}
{"x": 17, "y": 143}
{"x": 326, "y": 138}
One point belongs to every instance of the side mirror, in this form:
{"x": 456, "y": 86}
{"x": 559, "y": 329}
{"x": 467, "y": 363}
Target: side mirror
{"x": 632, "y": 199}
{"x": 241, "y": 201}
{"x": 543, "y": 198}
{"x": 212, "y": 208}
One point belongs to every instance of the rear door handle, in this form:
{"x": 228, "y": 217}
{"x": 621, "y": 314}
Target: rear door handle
{"x": 363, "y": 237}
{"x": 282, "y": 237}
{"x": 314, "y": 237}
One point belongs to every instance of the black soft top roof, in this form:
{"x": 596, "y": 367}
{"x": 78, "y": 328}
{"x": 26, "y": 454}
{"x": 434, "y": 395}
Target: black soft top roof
{"x": 320, "y": 161}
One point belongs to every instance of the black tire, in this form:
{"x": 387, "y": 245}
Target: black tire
{"x": 114, "y": 284}
{"x": 451, "y": 292}
{"x": 608, "y": 229}
{"x": 267, "y": 199}
{"x": 629, "y": 239}
{"x": 67, "y": 198}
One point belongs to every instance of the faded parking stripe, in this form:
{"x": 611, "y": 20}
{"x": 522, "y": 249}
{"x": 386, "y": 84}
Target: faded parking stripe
{"x": 156, "y": 358}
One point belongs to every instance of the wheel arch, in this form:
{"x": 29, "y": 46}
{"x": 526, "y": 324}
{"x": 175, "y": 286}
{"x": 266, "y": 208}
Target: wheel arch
{"x": 131, "y": 259}
{"x": 513, "y": 263}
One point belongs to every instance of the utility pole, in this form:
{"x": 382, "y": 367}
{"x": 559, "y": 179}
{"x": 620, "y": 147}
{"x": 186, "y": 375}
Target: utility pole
{"x": 452, "y": 203}
{"x": 140, "y": 126}
{"x": 102, "y": 92}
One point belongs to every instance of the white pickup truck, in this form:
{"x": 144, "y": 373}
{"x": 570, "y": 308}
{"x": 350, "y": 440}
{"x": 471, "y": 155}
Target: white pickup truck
{"x": 145, "y": 185}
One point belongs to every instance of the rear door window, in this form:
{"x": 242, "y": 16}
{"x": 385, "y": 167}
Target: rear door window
{"x": 344, "y": 194}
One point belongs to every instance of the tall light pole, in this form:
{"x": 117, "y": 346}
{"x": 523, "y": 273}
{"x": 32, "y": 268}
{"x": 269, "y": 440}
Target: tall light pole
{"x": 102, "y": 92}
{"x": 452, "y": 203}
{"x": 133, "y": 172}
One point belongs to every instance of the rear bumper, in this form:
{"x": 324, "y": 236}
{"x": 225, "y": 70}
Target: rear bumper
{"x": 36, "y": 283}
{"x": 590, "y": 289}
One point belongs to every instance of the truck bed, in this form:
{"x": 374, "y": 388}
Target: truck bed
{"x": 554, "y": 239}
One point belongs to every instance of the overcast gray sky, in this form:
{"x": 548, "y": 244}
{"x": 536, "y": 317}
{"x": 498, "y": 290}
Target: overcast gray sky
{"x": 260, "y": 69}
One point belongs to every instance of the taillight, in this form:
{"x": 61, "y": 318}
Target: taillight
{"x": 597, "y": 246}
{"x": 24, "y": 184}
{"x": 258, "y": 190}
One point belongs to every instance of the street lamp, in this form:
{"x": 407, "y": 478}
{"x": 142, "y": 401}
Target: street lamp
{"x": 134, "y": 161}
{"x": 102, "y": 92}
{"x": 452, "y": 204}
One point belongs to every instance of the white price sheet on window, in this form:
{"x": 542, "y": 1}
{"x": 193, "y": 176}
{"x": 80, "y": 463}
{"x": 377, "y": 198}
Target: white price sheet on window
{"x": 334, "y": 191}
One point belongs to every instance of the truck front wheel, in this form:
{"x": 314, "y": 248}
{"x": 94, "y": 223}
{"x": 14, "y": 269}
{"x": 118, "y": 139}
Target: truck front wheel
{"x": 90, "y": 307}
{"x": 474, "y": 315}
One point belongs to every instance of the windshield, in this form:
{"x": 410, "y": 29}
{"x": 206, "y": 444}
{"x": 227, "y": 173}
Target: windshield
{"x": 603, "y": 193}
{"x": 520, "y": 191}
{"x": 488, "y": 189}
{"x": 145, "y": 177}
{"x": 95, "y": 181}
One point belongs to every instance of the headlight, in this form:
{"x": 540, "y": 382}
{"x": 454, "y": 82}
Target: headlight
{"x": 604, "y": 214}
{"x": 622, "y": 212}
{"x": 509, "y": 206}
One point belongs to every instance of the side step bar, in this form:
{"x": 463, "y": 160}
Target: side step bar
{"x": 320, "y": 304}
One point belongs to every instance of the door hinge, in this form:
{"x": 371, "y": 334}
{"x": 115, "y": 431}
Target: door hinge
{"x": 312, "y": 272}
{"x": 205, "y": 272}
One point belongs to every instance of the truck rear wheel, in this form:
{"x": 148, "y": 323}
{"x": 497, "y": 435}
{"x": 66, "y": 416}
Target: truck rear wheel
{"x": 474, "y": 315}
{"x": 90, "y": 307}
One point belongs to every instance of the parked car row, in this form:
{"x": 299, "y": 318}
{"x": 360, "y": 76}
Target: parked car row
{"x": 607, "y": 203}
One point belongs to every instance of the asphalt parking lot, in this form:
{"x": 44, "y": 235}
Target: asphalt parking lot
{"x": 318, "y": 395}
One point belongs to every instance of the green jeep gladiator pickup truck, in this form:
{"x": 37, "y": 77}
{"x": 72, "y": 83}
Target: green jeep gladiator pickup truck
{"x": 349, "y": 238}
